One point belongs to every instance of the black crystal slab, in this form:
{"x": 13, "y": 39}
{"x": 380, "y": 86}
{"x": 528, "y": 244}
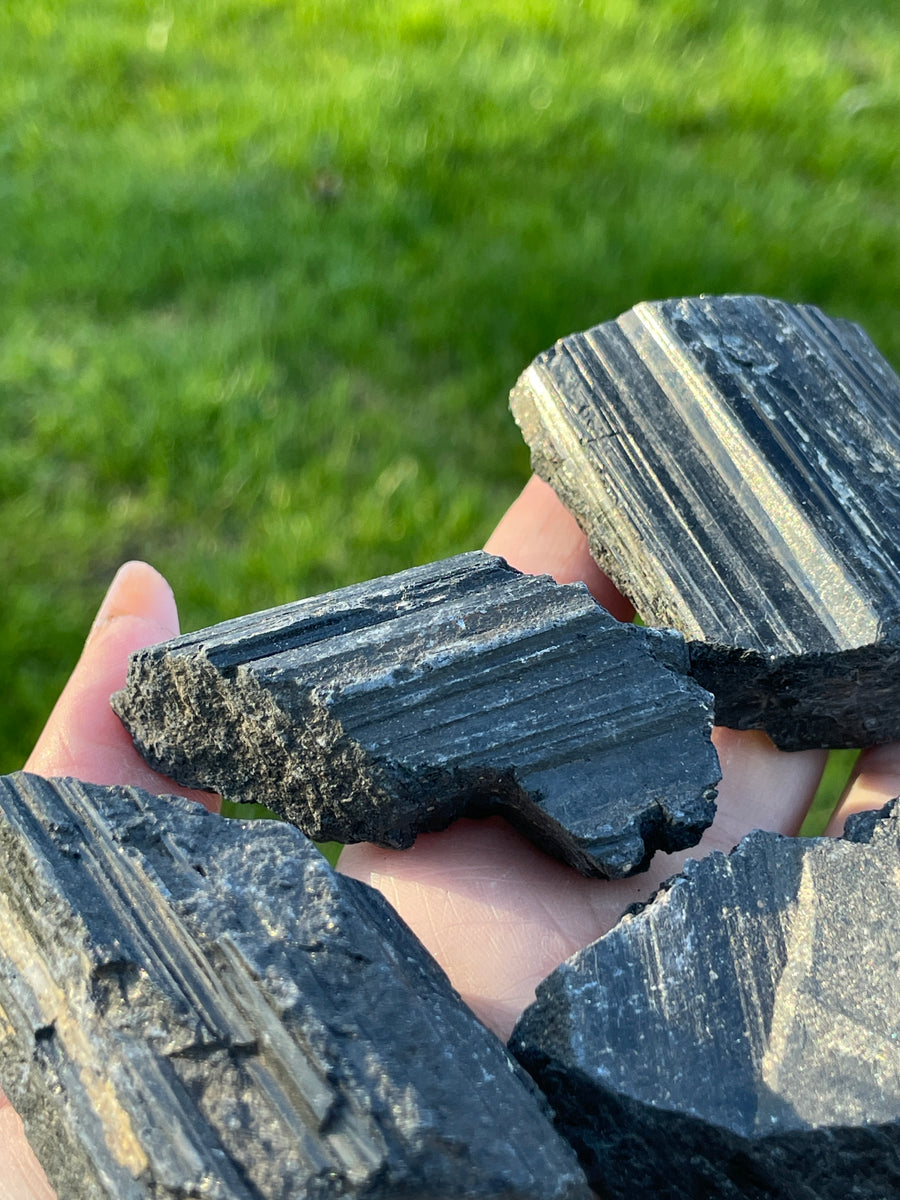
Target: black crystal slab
{"x": 195, "y": 1007}
{"x": 739, "y": 1035}
{"x": 458, "y": 688}
{"x": 735, "y": 463}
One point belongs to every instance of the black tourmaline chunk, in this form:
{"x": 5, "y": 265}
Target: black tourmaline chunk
{"x": 458, "y": 688}
{"x": 195, "y": 1007}
{"x": 739, "y": 1035}
{"x": 735, "y": 463}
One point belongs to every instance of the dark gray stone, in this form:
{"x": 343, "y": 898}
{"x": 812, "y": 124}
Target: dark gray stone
{"x": 195, "y": 1007}
{"x": 459, "y": 688}
{"x": 735, "y": 463}
{"x": 737, "y": 1036}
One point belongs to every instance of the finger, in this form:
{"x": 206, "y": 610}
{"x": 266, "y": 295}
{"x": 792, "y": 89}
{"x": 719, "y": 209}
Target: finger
{"x": 83, "y": 736}
{"x": 762, "y": 787}
{"x": 21, "y": 1175}
{"x": 875, "y": 780}
{"x": 538, "y": 536}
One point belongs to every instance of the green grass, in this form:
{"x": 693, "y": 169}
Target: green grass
{"x": 268, "y": 270}
{"x": 838, "y": 770}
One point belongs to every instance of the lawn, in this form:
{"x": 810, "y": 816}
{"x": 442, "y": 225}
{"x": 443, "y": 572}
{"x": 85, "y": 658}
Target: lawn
{"x": 268, "y": 270}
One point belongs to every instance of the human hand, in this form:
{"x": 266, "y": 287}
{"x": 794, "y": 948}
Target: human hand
{"x": 496, "y": 913}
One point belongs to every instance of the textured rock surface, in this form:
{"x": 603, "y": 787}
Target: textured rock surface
{"x": 396, "y": 705}
{"x": 738, "y": 1036}
{"x": 735, "y": 462}
{"x": 195, "y": 1007}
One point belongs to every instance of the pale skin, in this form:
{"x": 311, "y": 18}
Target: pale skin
{"x": 496, "y": 913}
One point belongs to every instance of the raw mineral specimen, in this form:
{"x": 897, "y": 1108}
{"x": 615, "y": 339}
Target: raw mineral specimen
{"x": 735, "y": 463}
{"x": 195, "y": 1007}
{"x": 458, "y": 688}
{"x": 738, "y": 1036}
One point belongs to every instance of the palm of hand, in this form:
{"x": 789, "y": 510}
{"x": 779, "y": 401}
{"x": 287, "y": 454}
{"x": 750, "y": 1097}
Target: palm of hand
{"x": 496, "y": 913}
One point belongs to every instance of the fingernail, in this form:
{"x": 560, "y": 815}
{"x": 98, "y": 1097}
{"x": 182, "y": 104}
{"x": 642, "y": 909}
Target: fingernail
{"x": 136, "y": 590}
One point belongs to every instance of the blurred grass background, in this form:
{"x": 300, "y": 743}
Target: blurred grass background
{"x": 268, "y": 270}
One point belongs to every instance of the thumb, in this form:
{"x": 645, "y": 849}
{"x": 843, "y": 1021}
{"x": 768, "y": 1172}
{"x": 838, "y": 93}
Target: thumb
{"x": 83, "y": 736}
{"x": 21, "y": 1176}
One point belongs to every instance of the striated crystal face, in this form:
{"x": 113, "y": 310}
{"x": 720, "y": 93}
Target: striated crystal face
{"x": 737, "y": 1036}
{"x": 458, "y": 688}
{"x": 202, "y": 1007}
{"x": 735, "y": 463}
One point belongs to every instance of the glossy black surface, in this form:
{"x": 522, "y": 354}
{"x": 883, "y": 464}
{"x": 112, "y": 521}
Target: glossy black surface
{"x": 458, "y": 688}
{"x": 734, "y": 462}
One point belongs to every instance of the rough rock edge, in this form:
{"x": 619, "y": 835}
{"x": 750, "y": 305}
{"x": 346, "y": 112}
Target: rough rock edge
{"x": 635, "y": 1150}
{"x": 225, "y": 709}
{"x": 196, "y": 1007}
